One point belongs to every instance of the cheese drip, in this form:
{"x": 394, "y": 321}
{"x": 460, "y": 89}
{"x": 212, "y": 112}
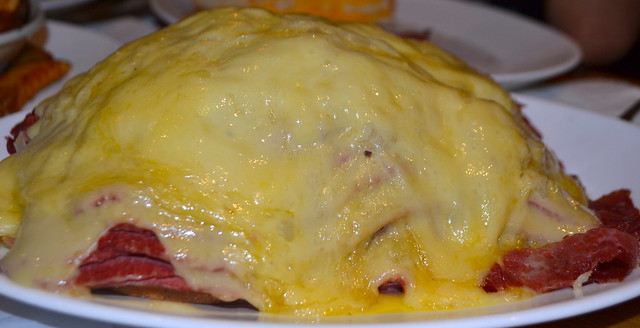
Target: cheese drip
{"x": 289, "y": 161}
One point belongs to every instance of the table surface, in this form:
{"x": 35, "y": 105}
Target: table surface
{"x": 98, "y": 14}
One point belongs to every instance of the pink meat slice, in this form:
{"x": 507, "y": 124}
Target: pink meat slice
{"x": 20, "y": 131}
{"x": 128, "y": 256}
{"x": 609, "y": 252}
{"x": 617, "y": 210}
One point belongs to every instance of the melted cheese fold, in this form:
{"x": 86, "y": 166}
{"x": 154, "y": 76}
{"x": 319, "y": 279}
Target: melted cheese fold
{"x": 289, "y": 161}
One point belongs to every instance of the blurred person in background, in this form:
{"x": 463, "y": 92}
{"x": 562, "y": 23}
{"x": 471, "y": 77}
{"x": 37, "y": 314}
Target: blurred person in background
{"x": 607, "y": 31}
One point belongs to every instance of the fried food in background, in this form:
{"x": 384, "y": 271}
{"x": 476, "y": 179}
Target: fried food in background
{"x": 32, "y": 70}
{"x": 366, "y": 11}
{"x": 13, "y": 14}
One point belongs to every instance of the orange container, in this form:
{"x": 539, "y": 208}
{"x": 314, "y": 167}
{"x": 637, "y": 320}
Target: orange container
{"x": 367, "y": 11}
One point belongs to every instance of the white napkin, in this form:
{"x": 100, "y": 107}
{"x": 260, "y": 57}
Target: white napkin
{"x": 607, "y": 96}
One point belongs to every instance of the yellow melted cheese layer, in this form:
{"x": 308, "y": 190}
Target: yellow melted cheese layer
{"x": 295, "y": 163}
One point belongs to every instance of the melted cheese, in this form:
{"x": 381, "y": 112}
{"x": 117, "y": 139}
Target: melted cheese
{"x": 295, "y": 163}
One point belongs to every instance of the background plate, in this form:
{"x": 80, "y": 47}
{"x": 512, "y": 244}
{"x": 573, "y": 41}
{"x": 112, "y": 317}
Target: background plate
{"x": 61, "y": 4}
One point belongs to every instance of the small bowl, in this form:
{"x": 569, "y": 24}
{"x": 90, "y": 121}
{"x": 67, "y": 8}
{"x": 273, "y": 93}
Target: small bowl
{"x": 12, "y": 41}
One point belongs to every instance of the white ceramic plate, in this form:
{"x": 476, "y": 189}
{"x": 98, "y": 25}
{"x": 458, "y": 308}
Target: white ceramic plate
{"x": 61, "y": 4}
{"x": 516, "y": 51}
{"x": 592, "y": 146}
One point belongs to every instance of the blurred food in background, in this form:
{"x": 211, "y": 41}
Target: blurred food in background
{"x": 27, "y": 67}
{"x": 13, "y": 14}
{"x": 32, "y": 70}
{"x": 367, "y": 11}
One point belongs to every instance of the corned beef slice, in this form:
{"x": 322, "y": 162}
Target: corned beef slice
{"x": 125, "y": 256}
{"x": 610, "y": 252}
{"x": 616, "y": 210}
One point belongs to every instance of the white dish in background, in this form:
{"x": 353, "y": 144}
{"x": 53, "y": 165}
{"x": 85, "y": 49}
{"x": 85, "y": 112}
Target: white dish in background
{"x": 13, "y": 40}
{"x": 61, "y": 4}
{"x": 515, "y": 50}
{"x": 171, "y": 11}
{"x": 583, "y": 140}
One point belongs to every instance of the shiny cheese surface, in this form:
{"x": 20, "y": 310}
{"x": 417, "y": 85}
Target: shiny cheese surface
{"x": 293, "y": 162}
